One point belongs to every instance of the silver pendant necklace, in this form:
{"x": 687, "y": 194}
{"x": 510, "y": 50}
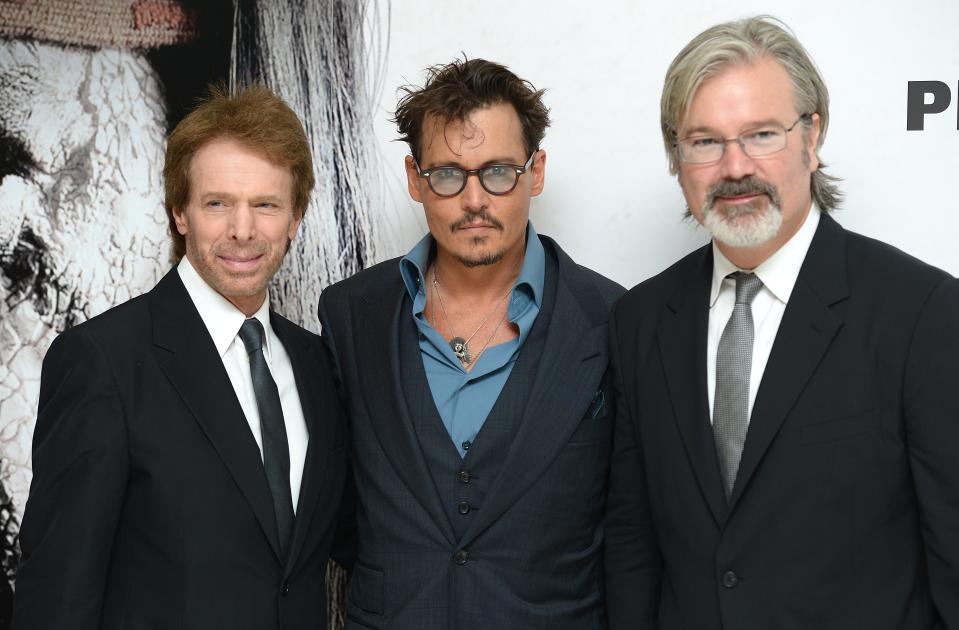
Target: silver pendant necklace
{"x": 460, "y": 346}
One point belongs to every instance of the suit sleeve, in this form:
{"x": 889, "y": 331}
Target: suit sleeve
{"x": 344, "y": 542}
{"x": 80, "y": 466}
{"x": 343, "y": 551}
{"x": 931, "y": 408}
{"x": 326, "y": 334}
{"x": 633, "y": 562}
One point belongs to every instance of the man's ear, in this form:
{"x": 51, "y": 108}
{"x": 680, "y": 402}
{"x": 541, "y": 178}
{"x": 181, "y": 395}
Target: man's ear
{"x": 812, "y": 142}
{"x": 182, "y": 224}
{"x": 294, "y": 226}
{"x": 413, "y": 179}
{"x": 538, "y": 171}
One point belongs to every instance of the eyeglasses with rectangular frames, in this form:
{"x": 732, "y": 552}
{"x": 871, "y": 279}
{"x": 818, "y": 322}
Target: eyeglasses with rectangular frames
{"x": 496, "y": 179}
{"x": 758, "y": 142}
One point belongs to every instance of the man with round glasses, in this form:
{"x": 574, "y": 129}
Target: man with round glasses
{"x": 787, "y": 424}
{"x": 476, "y": 374}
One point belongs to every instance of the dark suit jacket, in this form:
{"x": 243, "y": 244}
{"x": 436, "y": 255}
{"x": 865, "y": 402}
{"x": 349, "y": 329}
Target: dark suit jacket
{"x": 845, "y": 511}
{"x": 149, "y": 506}
{"x": 532, "y": 558}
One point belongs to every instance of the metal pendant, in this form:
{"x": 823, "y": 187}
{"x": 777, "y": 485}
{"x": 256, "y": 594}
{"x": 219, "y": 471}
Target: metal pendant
{"x": 462, "y": 350}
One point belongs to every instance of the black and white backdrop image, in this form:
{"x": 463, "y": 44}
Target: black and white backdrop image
{"x": 89, "y": 89}
{"x": 88, "y": 92}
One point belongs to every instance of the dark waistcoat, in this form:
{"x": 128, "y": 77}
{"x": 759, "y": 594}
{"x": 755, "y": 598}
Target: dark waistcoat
{"x": 462, "y": 483}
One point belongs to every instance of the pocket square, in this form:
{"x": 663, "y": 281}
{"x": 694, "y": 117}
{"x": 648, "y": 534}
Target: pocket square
{"x": 599, "y": 399}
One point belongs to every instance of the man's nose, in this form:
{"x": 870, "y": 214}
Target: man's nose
{"x": 243, "y": 222}
{"x": 735, "y": 163}
{"x": 474, "y": 197}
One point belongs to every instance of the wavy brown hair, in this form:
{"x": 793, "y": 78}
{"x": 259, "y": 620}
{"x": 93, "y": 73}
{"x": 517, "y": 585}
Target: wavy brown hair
{"x": 455, "y": 90}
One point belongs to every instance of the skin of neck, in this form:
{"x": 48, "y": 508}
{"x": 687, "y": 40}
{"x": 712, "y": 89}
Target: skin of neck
{"x": 481, "y": 283}
{"x": 247, "y": 305}
{"x": 748, "y": 258}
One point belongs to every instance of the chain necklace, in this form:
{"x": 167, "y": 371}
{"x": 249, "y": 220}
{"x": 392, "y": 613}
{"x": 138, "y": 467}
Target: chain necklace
{"x": 460, "y": 346}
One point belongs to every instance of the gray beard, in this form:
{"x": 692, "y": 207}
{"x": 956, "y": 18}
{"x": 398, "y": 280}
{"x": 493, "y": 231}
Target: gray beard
{"x": 747, "y": 227}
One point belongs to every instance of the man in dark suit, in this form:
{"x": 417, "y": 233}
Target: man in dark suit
{"x": 787, "y": 418}
{"x": 190, "y": 452}
{"x": 475, "y": 371}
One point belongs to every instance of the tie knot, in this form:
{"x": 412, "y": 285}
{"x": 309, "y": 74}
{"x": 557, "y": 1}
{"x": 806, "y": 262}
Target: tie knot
{"x": 251, "y": 332}
{"x": 747, "y": 286}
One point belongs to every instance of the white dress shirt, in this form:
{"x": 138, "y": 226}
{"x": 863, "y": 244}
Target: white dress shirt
{"x": 778, "y": 274}
{"x": 223, "y": 321}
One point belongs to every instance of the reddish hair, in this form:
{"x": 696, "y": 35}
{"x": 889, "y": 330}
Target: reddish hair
{"x": 256, "y": 118}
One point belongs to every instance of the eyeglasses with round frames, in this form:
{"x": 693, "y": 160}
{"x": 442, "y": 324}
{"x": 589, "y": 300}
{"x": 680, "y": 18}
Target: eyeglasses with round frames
{"x": 496, "y": 179}
{"x": 758, "y": 142}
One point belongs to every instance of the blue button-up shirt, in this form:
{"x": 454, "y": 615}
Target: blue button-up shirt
{"x": 464, "y": 399}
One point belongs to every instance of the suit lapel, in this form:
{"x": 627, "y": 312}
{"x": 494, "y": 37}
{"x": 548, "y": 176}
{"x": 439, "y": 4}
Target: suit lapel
{"x": 682, "y": 346}
{"x": 382, "y": 309}
{"x": 188, "y": 358}
{"x": 576, "y": 357}
{"x": 315, "y": 399}
{"x": 807, "y": 329}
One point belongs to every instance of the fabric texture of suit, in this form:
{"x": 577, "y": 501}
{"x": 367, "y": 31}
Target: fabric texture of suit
{"x": 149, "y": 507}
{"x": 511, "y": 535}
{"x": 845, "y": 510}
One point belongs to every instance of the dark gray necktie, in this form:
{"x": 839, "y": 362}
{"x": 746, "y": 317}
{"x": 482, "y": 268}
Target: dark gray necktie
{"x": 276, "y": 449}
{"x": 734, "y": 360}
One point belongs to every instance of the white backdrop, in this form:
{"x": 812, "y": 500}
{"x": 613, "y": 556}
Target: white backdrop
{"x": 609, "y": 199}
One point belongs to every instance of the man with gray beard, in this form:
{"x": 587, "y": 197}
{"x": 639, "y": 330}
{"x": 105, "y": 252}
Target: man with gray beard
{"x": 784, "y": 454}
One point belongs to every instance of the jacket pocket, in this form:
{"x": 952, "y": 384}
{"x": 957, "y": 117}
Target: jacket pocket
{"x": 594, "y": 424}
{"x": 840, "y": 428}
{"x": 367, "y": 588}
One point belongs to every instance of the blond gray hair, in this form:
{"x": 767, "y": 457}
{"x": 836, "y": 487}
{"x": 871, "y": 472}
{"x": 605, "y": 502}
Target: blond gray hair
{"x": 746, "y": 42}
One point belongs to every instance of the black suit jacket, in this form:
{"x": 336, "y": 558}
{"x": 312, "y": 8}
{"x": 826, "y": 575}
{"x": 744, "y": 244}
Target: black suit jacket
{"x": 845, "y": 511}
{"x": 533, "y": 553}
{"x": 149, "y": 506}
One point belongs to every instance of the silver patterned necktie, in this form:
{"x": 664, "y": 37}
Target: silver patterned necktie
{"x": 734, "y": 360}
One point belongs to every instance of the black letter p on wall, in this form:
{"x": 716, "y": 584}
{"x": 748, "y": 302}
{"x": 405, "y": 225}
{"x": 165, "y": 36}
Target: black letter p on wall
{"x": 916, "y": 106}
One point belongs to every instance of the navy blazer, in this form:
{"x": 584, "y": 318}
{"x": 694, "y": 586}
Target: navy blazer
{"x": 532, "y": 556}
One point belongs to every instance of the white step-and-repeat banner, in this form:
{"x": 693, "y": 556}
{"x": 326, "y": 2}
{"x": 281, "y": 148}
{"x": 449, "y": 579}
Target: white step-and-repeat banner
{"x": 609, "y": 199}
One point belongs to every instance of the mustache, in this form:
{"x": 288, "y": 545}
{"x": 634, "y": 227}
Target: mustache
{"x": 746, "y": 186}
{"x": 476, "y": 217}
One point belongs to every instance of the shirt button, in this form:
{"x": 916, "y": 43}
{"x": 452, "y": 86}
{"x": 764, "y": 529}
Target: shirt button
{"x": 464, "y": 476}
{"x": 730, "y": 579}
{"x": 461, "y": 557}
{"x": 466, "y": 445}
{"x": 463, "y": 507}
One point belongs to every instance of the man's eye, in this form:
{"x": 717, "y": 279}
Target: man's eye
{"x": 703, "y": 143}
{"x": 763, "y": 136}
{"x": 496, "y": 171}
{"x": 15, "y": 157}
{"x": 446, "y": 173}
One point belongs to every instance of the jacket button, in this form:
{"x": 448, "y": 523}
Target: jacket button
{"x": 463, "y": 507}
{"x": 464, "y": 476}
{"x": 285, "y": 590}
{"x": 461, "y": 557}
{"x": 466, "y": 445}
{"x": 730, "y": 579}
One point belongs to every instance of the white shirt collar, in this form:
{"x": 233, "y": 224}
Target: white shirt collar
{"x": 221, "y": 318}
{"x": 780, "y": 271}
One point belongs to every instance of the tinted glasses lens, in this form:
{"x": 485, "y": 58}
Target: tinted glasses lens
{"x": 498, "y": 179}
{"x": 446, "y": 181}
